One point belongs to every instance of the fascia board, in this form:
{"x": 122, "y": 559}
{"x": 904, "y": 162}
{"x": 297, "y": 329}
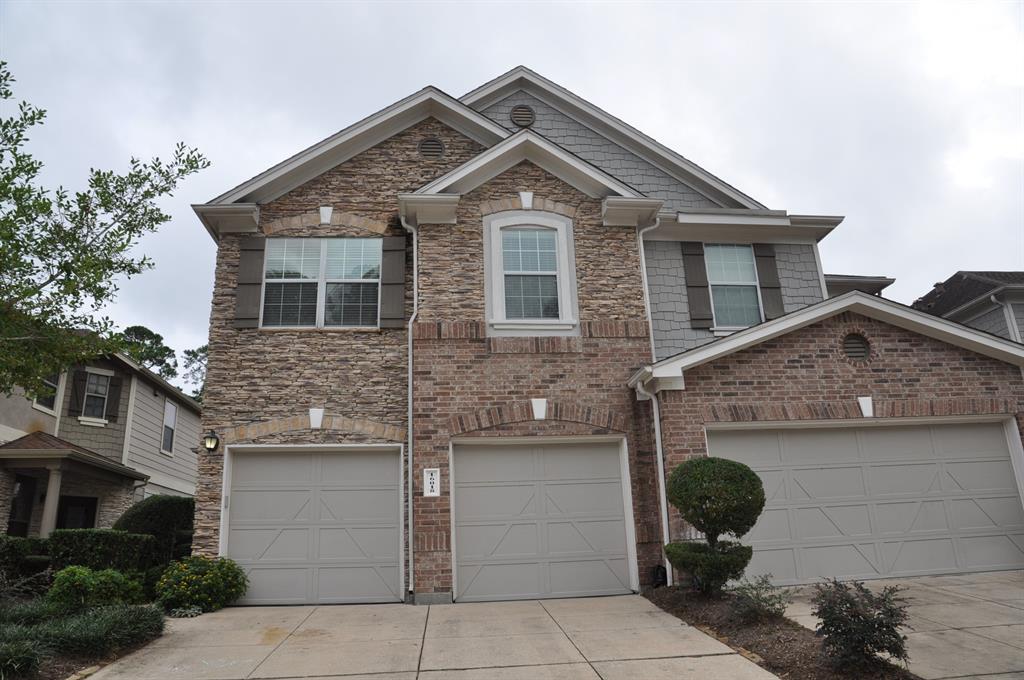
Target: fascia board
{"x": 529, "y": 146}
{"x": 727, "y": 228}
{"x": 361, "y": 136}
{"x": 212, "y": 216}
{"x": 604, "y": 123}
{"x": 857, "y": 302}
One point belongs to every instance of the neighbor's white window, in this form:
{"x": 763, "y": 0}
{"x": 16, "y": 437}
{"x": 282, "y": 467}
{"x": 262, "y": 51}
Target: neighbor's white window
{"x": 732, "y": 277}
{"x": 310, "y": 282}
{"x": 96, "y": 389}
{"x": 49, "y": 401}
{"x": 531, "y": 283}
{"x": 170, "y": 423}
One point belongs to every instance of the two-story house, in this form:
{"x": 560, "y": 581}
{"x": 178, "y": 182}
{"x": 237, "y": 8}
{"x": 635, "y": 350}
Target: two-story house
{"x": 456, "y": 348}
{"x": 989, "y": 301}
{"x": 111, "y": 433}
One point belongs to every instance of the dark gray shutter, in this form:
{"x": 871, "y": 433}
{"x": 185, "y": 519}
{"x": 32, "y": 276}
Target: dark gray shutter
{"x": 250, "y": 281}
{"x": 78, "y": 380}
{"x": 768, "y": 278}
{"x": 392, "y": 282}
{"x": 113, "y": 399}
{"x": 698, "y": 295}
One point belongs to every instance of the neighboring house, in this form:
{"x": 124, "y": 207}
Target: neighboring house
{"x": 840, "y": 284}
{"x": 989, "y": 301}
{"x": 112, "y": 433}
{"x": 584, "y": 309}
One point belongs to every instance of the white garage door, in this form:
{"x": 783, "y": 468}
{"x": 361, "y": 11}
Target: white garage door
{"x": 316, "y": 527}
{"x": 539, "y": 521}
{"x": 881, "y": 501}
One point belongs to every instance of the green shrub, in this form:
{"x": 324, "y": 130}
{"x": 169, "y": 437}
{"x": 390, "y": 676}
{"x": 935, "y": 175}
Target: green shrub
{"x": 717, "y": 496}
{"x": 758, "y": 600}
{"x": 20, "y": 658}
{"x": 147, "y": 578}
{"x": 21, "y": 556}
{"x": 168, "y": 519}
{"x": 710, "y": 567}
{"x": 204, "y": 582}
{"x": 857, "y": 625}
{"x": 101, "y": 549}
{"x": 27, "y": 612}
{"x": 76, "y": 588}
{"x": 101, "y": 631}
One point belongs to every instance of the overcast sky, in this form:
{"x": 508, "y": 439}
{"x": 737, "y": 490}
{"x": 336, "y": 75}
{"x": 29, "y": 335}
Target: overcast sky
{"x": 906, "y": 118}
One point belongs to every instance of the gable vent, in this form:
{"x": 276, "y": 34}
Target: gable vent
{"x": 856, "y": 346}
{"x": 522, "y": 115}
{"x": 431, "y": 148}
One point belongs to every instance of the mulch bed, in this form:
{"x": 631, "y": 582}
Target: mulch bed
{"x": 781, "y": 646}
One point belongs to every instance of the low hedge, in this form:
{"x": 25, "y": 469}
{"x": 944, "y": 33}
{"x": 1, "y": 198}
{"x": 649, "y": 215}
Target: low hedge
{"x": 204, "y": 582}
{"x": 101, "y": 549}
{"x": 21, "y": 556}
{"x": 168, "y": 519}
{"x": 77, "y": 588}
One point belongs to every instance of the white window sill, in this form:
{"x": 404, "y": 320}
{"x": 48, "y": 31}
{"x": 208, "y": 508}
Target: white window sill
{"x": 47, "y": 411}
{"x": 528, "y": 325}
{"x": 92, "y": 422}
{"x": 169, "y": 454}
{"x": 727, "y": 330}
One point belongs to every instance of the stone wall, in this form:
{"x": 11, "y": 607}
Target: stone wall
{"x": 261, "y": 375}
{"x": 806, "y": 376}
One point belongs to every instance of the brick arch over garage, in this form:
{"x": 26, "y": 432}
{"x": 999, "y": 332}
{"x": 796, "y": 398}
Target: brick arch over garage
{"x": 336, "y": 423}
{"x": 522, "y": 411}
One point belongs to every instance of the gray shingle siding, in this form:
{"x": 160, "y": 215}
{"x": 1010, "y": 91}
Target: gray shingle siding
{"x": 670, "y": 314}
{"x": 594, "y": 148}
{"x": 798, "y": 274}
{"x": 993, "y": 321}
{"x": 1018, "y": 315}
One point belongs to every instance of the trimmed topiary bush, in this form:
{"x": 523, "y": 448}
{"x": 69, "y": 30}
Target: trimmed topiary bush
{"x": 857, "y": 625}
{"x": 716, "y": 496}
{"x": 76, "y": 588}
{"x": 101, "y": 549}
{"x": 168, "y": 519}
{"x": 204, "y": 582}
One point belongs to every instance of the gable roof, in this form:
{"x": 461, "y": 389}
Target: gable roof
{"x": 527, "y": 145}
{"x": 182, "y": 398}
{"x": 623, "y": 134}
{"x": 870, "y": 306}
{"x": 966, "y": 287}
{"x": 43, "y": 445}
{"x": 241, "y": 202}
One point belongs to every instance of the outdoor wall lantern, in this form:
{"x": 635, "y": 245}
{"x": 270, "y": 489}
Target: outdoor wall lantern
{"x": 210, "y": 441}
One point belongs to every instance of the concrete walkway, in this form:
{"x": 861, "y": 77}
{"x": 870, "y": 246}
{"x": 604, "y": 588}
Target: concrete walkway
{"x": 609, "y": 638}
{"x": 965, "y": 627}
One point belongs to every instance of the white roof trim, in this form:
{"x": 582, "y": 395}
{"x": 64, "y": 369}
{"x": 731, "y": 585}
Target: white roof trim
{"x": 855, "y": 301}
{"x": 607, "y": 125}
{"x": 339, "y": 147}
{"x": 527, "y": 145}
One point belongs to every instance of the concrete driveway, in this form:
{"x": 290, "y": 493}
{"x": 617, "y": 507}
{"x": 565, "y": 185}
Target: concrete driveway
{"x": 969, "y": 626}
{"x": 580, "y": 639}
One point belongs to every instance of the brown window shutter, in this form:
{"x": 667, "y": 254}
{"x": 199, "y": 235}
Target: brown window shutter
{"x": 768, "y": 278}
{"x": 392, "y": 282}
{"x": 698, "y": 294}
{"x": 78, "y": 380}
{"x": 113, "y": 399}
{"x": 250, "y": 281}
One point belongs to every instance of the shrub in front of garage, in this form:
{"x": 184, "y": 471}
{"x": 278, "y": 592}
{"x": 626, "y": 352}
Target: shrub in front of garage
{"x": 204, "y": 582}
{"x": 857, "y": 624}
{"x": 78, "y": 588}
{"x": 168, "y": 519}
{"x": 717, "y": 497}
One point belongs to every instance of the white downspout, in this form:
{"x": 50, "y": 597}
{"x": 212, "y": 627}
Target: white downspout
{"x": 659, "y": 451}
{"x": 412, "y": 319}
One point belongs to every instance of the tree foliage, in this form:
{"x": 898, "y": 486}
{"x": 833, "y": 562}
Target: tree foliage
{"x": 195, "y": 370}
{"x": 62, "y": 253}
{"x": 147, "y": 347}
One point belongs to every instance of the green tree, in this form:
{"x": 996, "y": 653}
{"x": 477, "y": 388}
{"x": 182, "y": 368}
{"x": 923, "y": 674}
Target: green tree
{"x": 148, "y": 348}
{"x": 62, "y": 254}
{"x": 195, "y": 370}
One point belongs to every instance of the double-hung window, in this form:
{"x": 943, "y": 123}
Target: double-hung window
{"x": 170, "y": 423}
{"x": 328, "y": 282}
{"x": 732, "y": 277}
{"x": 96, "y": 389}
{"x": 48, "y": 401}
{"x": 530, "y": 261}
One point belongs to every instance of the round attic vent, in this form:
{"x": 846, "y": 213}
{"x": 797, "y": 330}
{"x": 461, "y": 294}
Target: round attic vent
{"x": 431, "y": 148}
{"x": 522, "y": 115}
{"x": 856, "y": 347}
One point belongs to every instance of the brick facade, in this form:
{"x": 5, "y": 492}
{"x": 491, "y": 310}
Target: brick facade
{"x": 805, "y": 375}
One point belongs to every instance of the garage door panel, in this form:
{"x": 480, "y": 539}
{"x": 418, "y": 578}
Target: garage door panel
{"x": 937, "y": 499}
{"x": 332, "y": 536}
{"x": 539, "y": 521}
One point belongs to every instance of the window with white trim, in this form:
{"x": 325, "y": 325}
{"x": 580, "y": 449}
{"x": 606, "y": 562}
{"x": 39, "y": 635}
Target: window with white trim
{"x": 328, "y": 282}
{"x": 170, "y": 423}
{"x": 48, "y": 402}
{"x": 531, "y": 283}
{"x": 732, "y": 278}
{"x": 97, "y": 388}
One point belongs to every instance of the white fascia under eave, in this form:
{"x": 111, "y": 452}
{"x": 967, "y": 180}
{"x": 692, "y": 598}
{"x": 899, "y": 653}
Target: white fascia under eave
{"x": 417, "y": 209}
{"x": 872, "y": 306}
{"x": 230, "y": 218}
{"x": 751, "y": 226}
